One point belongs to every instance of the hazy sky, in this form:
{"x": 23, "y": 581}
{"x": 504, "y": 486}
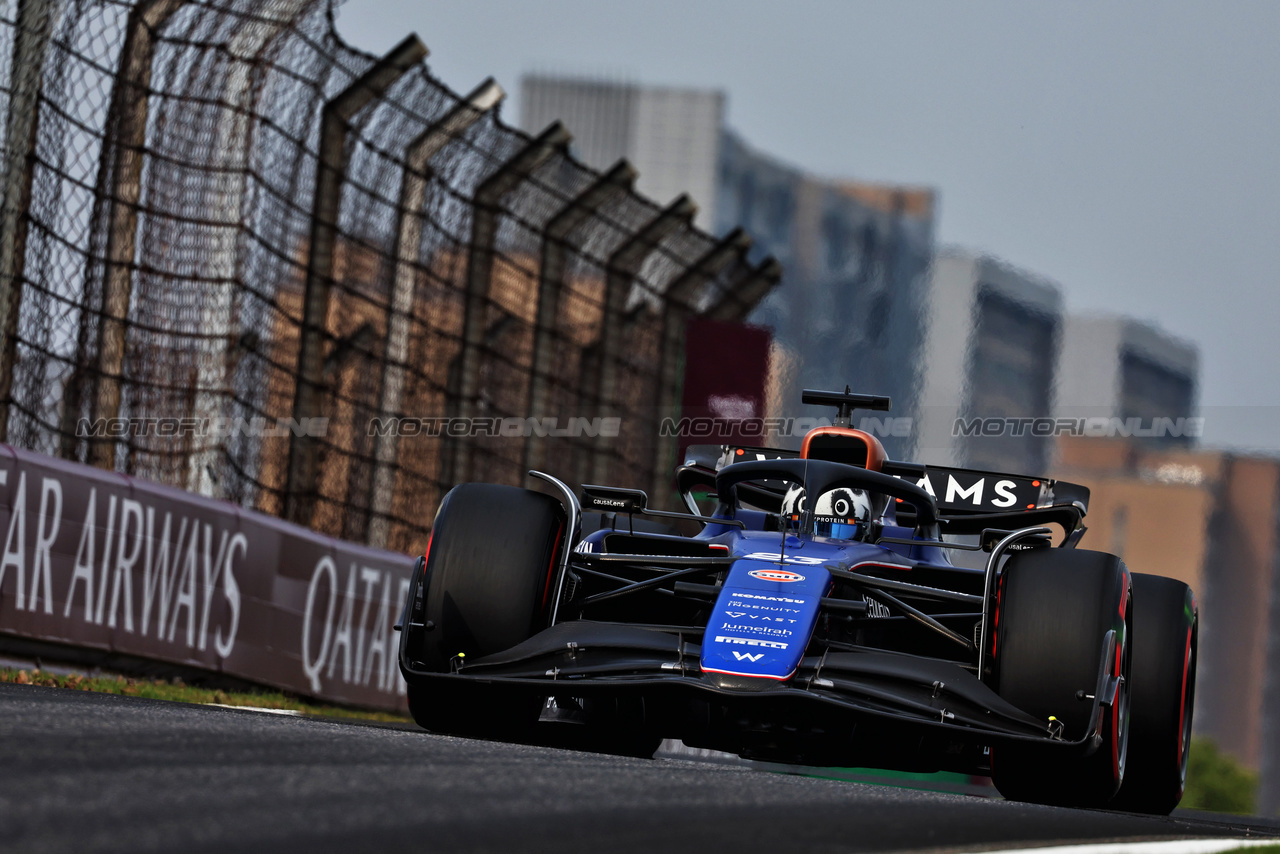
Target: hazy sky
{"x": 1128, "y": 151}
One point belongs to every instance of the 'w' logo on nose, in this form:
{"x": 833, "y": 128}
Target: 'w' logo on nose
{"x": 748, "y": 656}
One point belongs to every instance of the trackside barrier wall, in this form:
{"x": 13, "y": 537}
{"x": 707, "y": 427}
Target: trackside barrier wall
{"x": 103, "y": 561}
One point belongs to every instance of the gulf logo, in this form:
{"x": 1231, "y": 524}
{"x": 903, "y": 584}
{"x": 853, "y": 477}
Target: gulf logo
{"x": 775, "y": 575}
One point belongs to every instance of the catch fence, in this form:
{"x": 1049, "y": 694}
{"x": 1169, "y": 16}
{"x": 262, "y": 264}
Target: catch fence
{"x": 241, "y": 257}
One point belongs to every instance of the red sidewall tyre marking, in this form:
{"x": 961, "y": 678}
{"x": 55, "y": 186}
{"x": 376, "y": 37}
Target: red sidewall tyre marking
{"x": 551, "y": 570}
{"x": 1115, "y": 706}
{"x": 995, "y": 620}
{"x": 1182, "y": 705}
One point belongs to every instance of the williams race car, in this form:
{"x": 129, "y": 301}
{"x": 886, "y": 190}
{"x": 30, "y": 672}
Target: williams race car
{"x": 813, "y": 616}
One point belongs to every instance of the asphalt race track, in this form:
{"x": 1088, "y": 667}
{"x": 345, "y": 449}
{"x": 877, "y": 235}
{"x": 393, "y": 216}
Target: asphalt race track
{"x": 88, "y": 772}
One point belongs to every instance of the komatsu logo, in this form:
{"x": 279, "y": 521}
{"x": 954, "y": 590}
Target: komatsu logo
{"x": 739, "y": 595}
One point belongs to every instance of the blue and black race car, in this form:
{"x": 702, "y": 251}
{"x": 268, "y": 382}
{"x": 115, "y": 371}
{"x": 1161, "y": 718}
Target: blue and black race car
{"x": 812, "y": 614}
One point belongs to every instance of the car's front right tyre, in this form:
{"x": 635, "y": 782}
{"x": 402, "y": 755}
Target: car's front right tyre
{"x": 488, "y": 578}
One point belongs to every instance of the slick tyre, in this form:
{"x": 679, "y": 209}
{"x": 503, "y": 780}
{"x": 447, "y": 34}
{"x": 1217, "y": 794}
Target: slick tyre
{"x": 1165, "y": 635}
{"x": 487, "y": 586}
{"x": 1054, "y": 610}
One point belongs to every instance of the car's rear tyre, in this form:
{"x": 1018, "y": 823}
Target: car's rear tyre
{"x": 1054, "y": 610}
{"x": 1166, "y": 627}
{"x": 488, "y": 575}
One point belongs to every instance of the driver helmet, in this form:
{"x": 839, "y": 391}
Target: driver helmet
{"x": 842, "y": 513}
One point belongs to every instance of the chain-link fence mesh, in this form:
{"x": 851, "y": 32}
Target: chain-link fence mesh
{"x": 165, "y": 234}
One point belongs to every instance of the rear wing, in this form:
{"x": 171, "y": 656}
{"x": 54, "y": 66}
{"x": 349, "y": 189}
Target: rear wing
{"x": 968, "y": 500}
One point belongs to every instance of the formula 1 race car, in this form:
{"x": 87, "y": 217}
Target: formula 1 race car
{"x": 813, "y": 616}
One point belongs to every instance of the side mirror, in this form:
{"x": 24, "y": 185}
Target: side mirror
{"x": 613, "y": 499}
{"x": 991, "y": 536}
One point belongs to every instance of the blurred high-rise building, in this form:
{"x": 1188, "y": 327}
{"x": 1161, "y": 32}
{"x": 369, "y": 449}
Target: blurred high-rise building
{"x": 672, "y": 136}
{"x": 991, "y": 334}
{"x": 1119, "y": 368}
{"x": 855, "y": 255}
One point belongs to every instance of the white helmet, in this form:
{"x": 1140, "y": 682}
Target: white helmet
{"x": 836, "y": 513}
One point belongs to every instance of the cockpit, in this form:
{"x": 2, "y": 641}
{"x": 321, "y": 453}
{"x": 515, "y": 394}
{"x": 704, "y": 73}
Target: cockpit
{"x": 846, "y": 513}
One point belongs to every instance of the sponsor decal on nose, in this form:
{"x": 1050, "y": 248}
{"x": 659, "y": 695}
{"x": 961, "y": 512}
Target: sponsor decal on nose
{"x": 776, "y": 575}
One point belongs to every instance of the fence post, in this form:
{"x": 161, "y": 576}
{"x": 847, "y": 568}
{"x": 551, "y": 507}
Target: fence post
{"x": 623, "y": 267}
{"x": 744, "y": 295}
{"x": 235, "y": 130}
{"x": 413, "y": 189}
{"x": 675, "y": 316}
{"x": 300, "y": 489}
{"x": 555, "y": 247}
{"x": 129, "y": 106}
{"x": 484, "y": 229}
{"x": 31, "y": 35}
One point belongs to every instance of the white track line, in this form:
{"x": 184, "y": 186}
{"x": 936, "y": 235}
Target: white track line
{"x": 1177, "y": 846}
{"x": 257, "y": 709}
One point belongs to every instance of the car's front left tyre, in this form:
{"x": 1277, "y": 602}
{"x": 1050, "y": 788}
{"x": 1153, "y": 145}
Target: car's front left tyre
{"x": 1057, "y": 609}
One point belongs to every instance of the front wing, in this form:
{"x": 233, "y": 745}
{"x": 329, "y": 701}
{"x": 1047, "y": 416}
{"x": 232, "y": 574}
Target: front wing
{"x": 865, "y": 707}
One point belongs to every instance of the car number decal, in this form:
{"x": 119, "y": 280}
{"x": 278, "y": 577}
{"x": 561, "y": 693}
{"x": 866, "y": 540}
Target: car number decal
{"x": 775, "y": 557}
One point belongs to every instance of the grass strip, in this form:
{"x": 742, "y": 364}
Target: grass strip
{"x": 176, "y": 690}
